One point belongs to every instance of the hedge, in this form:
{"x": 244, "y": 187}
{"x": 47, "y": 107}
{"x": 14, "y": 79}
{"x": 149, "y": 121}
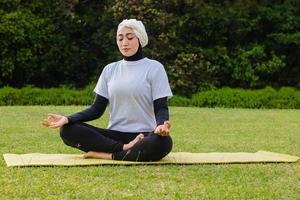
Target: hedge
{"x": 283, "y": 98}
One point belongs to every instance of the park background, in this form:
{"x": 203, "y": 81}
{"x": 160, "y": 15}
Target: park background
{"x": 222, "y": 57}
{"x": 217, "y": 46}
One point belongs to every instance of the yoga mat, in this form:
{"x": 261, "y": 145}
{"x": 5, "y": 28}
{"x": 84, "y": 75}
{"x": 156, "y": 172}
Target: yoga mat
{"x": 39, "y": 159}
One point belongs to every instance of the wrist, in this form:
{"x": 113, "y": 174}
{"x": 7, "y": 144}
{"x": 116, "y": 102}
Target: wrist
{"x": 66, "y": 120}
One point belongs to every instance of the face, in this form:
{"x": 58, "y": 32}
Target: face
{"x": 128, "y": 42}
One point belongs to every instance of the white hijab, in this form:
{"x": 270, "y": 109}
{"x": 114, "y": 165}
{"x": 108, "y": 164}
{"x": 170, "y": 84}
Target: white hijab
{"x": 138, "y": 29}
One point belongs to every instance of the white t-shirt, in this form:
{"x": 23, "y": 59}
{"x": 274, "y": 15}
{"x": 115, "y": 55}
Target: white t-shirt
{"x": 131, "y": 87}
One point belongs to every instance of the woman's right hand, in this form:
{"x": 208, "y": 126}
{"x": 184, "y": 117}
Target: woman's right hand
{"x": 55, "y": 121}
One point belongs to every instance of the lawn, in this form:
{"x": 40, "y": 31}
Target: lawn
{"x": 194, "y": 130}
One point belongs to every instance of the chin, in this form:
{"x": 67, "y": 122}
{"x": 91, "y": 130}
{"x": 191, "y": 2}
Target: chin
{"x": 128, "y": 54}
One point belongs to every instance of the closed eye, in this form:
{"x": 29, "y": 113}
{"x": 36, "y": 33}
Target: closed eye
{"x": 129, "y": 36}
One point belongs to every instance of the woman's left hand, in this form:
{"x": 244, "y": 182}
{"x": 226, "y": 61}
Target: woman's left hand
{"x": 163, "y": 130}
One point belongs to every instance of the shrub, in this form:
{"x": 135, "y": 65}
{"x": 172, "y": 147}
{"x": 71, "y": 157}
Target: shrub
{"x": 52, "y": 96}
{"x": 284, "y": 98}
{"x": 268, "y": 97}
{"x": 179, "y": 101}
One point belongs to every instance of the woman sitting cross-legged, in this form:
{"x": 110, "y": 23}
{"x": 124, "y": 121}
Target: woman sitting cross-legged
{"x": 136, "y": 89}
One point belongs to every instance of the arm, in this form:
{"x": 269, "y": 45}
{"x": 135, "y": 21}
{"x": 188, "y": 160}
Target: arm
{"x": 95, "y": 111}
{"x": 161, "y": 112}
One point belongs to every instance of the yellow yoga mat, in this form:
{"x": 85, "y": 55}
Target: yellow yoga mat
{"x": 39, "y": 159}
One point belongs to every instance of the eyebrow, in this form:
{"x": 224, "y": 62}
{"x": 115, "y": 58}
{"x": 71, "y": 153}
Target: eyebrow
{"x": 125, "y": 34}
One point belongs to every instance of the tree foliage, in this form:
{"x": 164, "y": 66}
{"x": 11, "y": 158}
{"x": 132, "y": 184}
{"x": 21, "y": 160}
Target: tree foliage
{"x": 203, "y": 44}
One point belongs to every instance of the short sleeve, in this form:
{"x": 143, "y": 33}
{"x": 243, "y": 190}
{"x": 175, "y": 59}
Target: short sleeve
{"x": 160, "y": 83}
{"x": 101, "y": 87}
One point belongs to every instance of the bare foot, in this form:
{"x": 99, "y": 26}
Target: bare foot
{"x": 108, "y": 156}
{"x": 99, "y": 155}
{"x": 133, "y": 142}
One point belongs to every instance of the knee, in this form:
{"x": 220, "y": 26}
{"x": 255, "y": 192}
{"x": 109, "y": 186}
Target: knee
{"x": 163, "y": 146}
{"x": 65, "y": 132}
{"x": 160, "y": 147}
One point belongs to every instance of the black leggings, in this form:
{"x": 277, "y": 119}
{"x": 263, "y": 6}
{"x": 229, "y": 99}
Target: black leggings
{"x": 89, "y": 138}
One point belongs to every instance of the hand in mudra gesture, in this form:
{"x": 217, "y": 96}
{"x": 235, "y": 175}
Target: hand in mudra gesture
{"x": 164, "y": 129}
{"x": 54, "y": 121}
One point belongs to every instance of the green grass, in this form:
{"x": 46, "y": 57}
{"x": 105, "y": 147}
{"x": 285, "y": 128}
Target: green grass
{"x": 194, "y": 130}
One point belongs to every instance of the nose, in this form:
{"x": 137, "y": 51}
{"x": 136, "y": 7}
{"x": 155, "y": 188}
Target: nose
{"x": 125, "y": 42}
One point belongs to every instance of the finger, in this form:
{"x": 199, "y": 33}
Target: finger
{"x": 166, "y": 134}
{"x": 162, "y": 129}
{"x": 158, "y": 130}
{"x": 50, "y": 118}
{"x": 165, "y": 129}
{"x": 54, "y": 125}
{"x": 45, "y": 122}
{"x": 167, "y": 124}
{"x": 163, "y": 133}
{"x": 160, "y": 133}
{"x": 54, "y": 118}
{"x": 52, "y": 115}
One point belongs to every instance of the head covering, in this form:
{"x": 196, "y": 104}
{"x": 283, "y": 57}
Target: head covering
{"x": 138, "y": 29}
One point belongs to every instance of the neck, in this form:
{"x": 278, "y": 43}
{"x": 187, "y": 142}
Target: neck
{"x": 137, "y": 56}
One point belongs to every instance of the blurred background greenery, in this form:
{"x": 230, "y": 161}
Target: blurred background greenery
{"x": 203, "y": 45}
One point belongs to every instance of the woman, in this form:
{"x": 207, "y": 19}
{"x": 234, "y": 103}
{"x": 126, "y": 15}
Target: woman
{"x": 136, "y": 90}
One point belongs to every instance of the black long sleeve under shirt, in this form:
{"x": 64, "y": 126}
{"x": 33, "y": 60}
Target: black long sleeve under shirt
{"x": 97, "y": 109}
